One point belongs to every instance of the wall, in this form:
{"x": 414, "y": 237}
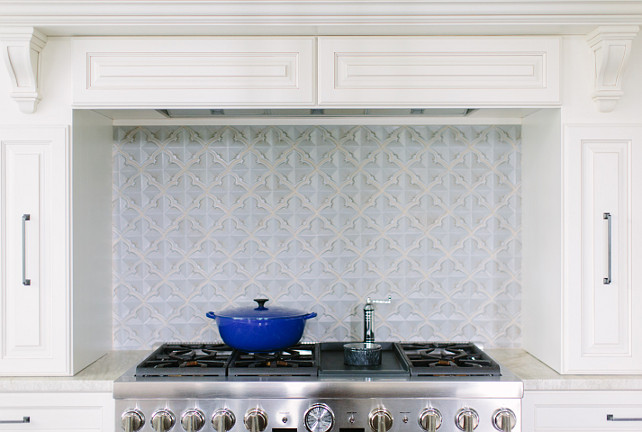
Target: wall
{"x": 318, "y": 218}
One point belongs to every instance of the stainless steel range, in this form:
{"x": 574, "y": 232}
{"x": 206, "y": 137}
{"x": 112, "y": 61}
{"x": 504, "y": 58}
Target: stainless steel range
{"x": 308, "y": 388}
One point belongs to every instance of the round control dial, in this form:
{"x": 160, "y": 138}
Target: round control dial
{"x": 319, "y": 418}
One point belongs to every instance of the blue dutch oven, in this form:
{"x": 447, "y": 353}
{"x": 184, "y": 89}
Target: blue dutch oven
{"x": 260, "y": 329}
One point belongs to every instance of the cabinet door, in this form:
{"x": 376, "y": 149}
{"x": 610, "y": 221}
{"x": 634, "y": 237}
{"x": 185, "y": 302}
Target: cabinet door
{"x": 603, "y": 291}
{"x": 422, "y": 72}
{"x": 33, "y": 246}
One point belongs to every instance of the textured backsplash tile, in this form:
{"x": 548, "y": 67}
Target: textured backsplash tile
{"x": 318, "y": 218}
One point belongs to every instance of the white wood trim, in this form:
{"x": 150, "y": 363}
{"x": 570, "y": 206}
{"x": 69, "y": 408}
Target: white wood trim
{"x": 611, "y": 47}
{"x": 273, "y": 16}
{"x": 21, "y": 48}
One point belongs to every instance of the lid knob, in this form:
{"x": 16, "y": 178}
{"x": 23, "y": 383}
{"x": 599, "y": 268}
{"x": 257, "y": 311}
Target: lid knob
{"x": 261, "y": 303}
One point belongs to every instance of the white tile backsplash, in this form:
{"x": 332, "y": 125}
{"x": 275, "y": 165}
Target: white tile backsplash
{"x": 318, "y": 218}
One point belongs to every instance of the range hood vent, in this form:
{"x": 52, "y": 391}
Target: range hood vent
{"x": 316, "y": 112}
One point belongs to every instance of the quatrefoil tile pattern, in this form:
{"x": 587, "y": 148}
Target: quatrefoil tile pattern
{"x": 318, "y": 219}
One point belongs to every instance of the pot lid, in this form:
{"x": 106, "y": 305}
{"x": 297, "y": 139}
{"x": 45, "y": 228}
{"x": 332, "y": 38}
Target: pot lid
{"x": 261, "y": 312}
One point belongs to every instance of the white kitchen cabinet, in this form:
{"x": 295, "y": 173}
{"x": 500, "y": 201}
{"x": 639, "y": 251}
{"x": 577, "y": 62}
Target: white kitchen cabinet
{"x": 83, "y": 412}
{"x": 599, "y": 411}
{"x": 35, "y": 272}
{"x": 582, "y": 248}
{"x": 202, "y": 72}
{"x": 54, "y": 248}
{"x": 438, "y": 71}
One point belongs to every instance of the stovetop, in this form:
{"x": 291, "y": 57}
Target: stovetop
{"x": 425, "y": 359}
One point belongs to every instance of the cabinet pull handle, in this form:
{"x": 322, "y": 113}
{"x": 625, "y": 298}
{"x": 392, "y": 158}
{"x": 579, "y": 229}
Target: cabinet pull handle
{"x": 25, "y": 281}
{"x": 25, "y": 419}
{"x": 610, "y": 417}
{"x": 607, "y": 279}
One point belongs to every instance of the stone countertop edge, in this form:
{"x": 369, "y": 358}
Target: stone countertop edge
{"x": 539, "y": 377}
{"x": 100, "y": 375}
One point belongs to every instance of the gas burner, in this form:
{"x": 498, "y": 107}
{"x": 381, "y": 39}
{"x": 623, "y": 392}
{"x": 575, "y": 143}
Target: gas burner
{"x": 448, "y": 359}
{"x": 299, "y": 360}
{"x": 186, "y": 360}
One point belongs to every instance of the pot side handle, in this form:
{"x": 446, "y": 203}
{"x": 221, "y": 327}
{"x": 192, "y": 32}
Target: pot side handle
{"x": 310, "y": 315}
{"x": 211, "y": 315}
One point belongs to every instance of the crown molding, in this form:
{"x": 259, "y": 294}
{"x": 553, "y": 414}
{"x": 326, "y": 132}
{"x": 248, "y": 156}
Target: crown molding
{"x": 135, "y": 17}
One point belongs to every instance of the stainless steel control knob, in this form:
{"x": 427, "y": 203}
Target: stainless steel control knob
{"x": 163, "y": 420}
{"x": 504, "y": 420}
{"x": 467, "y": 419}
{"x": 132, "y": 420}
{"x": 193, "y": 420}
{"x": 223, "y": 420}
{"x": 380, "y": 420}
{"x": 430, "y": 419}
{"x": 255, "y": 420}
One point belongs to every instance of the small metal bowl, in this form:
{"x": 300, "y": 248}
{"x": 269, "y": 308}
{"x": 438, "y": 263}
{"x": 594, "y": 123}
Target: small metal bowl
{"x": 362, "y": 354}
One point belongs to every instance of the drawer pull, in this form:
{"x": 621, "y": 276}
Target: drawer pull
{"x": 25, "y": 419}
{"x": 610, "y": 417}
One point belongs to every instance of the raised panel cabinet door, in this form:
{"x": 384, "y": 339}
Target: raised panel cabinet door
{"x": 423, "y": 72}
{"x": 33, "y": 238}
{"x": 202, "y": 72}
{"x": 605, "y": 326}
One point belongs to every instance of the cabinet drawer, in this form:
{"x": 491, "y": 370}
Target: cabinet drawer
{"x": 582, "y": 411}
{"x": 56, "y": 412}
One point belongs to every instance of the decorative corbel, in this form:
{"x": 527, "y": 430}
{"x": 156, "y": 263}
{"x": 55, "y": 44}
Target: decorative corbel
{"x": 611, "y": 48}
{"x": 21, "y": 48}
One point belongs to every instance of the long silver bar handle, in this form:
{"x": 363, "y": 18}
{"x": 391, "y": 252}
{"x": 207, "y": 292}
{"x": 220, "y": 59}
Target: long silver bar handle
{"x": 607, "y": 280}
{"x": 25, "y": 218}
{"x": 610, "y": 417}
{"x": 25, "y": 419}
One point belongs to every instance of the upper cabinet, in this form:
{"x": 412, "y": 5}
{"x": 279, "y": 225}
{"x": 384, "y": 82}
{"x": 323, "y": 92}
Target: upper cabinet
{"x": 582, "y": 245}
{"x": 281, "y": 72}
{"x": 55, "y": 246}
{"x": 439, "y": 71}
{"x": 34, "y": 303}
{"x": 200, "y": 72}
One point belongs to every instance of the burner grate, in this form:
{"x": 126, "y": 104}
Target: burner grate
{"x": 298, "y": 360}
{"x": 448, "y": 359}
{"x": 184, "y": 359}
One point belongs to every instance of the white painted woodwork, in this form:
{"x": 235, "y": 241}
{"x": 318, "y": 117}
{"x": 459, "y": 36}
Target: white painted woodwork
{"x": 542, "y": 236}
{"x": 572, "y": 320}
{"x": 82, "y": 412}
{"x": 91, "y": 238}
{"x": 34, "y": 318}
{"x": 438, "y": 71}
{"x": 611, "y": 47}
{"x": 604, "y": 332}
{"x": 559, "y": 411}
{"x": 322, "y": 17}
{"x": 204, "y": 72}
{"x": 21, "y": 47}
{"x": 68, "y": 246}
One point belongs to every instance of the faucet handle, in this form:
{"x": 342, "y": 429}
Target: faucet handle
{"x": 386, "y": 301}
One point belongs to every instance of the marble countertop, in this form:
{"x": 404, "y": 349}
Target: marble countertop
{"x": 537, "y": 376}
{"x": 100, "y": 375}
{"x": 97, "y": 377}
